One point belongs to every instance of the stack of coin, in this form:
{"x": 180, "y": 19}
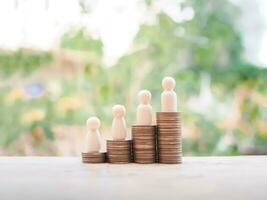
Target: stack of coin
{"x": 93, "y": 157}
{"x": 157, "y": 149}
{"x": 119, "y": 151}
{"x": 169, "y": 137}
{"x": 144, "y": 144}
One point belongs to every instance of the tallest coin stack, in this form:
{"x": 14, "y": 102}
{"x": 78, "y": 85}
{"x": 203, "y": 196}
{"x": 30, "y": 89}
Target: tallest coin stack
{"x": 169, "y": 137}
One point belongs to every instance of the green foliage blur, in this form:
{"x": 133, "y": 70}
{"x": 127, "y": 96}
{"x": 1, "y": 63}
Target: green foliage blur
{"x": 222, "y": 97}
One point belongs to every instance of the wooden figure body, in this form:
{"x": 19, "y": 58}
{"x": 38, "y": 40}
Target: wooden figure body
{"x": 93, "y": 135}
{"x": 168, "y": 96}
{"x": 118, "y": 129}
{"x": 144, "y": 109}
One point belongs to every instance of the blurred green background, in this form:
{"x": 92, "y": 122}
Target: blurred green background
{"x": 47, "y": 95}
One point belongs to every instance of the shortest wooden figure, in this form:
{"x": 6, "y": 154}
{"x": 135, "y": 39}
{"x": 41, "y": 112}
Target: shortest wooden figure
{"x": 118, "y": 149}
{"x": 93, "y": 135}
{"x": 92, "y": 152}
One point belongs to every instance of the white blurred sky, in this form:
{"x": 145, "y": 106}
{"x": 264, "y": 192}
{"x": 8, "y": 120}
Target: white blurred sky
{"x": 39, "y": 23}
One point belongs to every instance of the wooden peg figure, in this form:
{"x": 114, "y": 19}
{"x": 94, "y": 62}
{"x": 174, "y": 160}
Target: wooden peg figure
{"x": 144, "y": 109}
{"x": 93, "y": 135}
{"x": 168, "y": 96}
{"x": 118, "y": 129}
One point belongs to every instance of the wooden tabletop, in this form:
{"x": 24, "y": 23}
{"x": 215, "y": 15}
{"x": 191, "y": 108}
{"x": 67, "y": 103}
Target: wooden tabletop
{"x": 197, "y": 178}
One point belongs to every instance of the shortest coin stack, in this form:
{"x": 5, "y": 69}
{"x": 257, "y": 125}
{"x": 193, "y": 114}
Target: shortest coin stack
{"x": 93, "y": 157}
{"x": 119, "y": 151}
{"x": 169, "y": 137}
{"x": 144, "y": 144}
